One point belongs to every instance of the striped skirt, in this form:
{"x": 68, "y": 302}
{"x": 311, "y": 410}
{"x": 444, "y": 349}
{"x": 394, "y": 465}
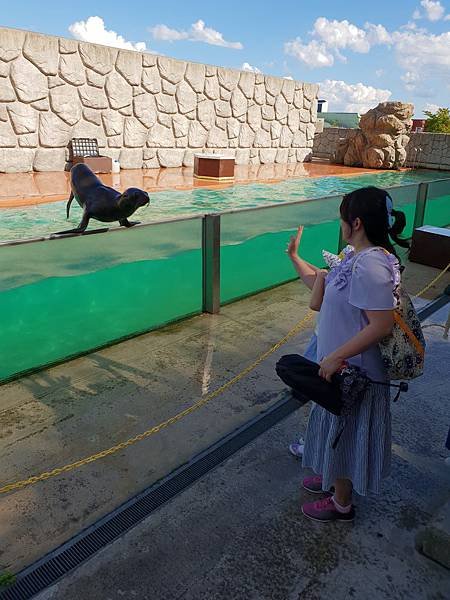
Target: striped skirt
{"x": 363, "y": 453}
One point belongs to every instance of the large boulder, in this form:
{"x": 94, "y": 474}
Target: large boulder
{"x": 381, "y": 140}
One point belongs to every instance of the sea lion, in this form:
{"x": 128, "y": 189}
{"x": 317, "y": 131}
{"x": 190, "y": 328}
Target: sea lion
{"x": 101, "y": 202}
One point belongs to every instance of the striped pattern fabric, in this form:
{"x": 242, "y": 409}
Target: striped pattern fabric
{"x": 363, "y": 453}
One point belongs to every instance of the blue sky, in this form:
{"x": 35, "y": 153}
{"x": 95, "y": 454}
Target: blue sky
{"x": 360, "y": 52}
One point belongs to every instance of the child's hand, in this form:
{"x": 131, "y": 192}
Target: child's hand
{"x": 294, "y": 243}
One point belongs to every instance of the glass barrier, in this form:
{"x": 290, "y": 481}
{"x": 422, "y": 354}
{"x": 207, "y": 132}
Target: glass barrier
{"x": 253, "y": 244}
{"x": 437, "y": 209}
{"x": 404, "y": 199}
{"x": 63, "y": 297}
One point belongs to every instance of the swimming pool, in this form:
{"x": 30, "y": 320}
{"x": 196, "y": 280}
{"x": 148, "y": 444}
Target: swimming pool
{"x": 62, "y": 297}
{"x": 44, "y": 219}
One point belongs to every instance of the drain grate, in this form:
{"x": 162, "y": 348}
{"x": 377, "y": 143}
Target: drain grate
{"x": 72, "y": 554}
{"x": 84, "y": 545}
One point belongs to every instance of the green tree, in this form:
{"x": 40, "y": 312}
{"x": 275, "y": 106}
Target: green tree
{"x": 438, "y": 122}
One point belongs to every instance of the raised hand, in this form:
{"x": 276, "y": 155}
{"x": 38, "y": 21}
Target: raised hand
{"x": 294, "y": 243}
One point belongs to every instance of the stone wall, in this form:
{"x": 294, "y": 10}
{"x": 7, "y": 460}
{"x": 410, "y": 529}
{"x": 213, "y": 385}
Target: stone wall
{"x": 425, "y": 150}
{"x": 147, "y": 110}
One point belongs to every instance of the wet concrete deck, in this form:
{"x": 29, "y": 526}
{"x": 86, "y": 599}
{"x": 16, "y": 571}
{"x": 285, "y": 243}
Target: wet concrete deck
{"x": 67, "y": 412}
{"x": 28, "y": 189}
{"x": 238, "y": 534}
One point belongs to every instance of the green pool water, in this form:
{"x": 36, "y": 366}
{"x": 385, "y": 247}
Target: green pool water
{"x": 63, "y": 297}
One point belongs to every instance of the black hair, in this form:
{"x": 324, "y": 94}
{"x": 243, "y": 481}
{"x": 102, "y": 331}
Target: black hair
{"x": 369, "y": 205}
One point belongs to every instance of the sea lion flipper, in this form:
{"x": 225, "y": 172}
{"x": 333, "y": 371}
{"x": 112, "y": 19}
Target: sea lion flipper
{"x": 127, "y": 223}
{"x": 81, "y": 227}
{"x": 71, "y": 197}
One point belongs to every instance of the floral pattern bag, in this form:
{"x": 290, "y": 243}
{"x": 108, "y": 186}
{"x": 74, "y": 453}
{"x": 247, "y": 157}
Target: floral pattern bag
{"x": 403, "y": 352}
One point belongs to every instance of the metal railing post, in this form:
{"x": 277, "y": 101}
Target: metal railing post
{"x": 211, "y": 263}
{"x": 421, "y": 202}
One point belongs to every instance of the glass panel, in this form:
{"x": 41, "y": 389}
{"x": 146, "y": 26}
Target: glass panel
{"x": 59, "y": 298}
{"x": 437, "y": 210}
{"x": 405, "y": 200}
{"x": 253, "y": 244}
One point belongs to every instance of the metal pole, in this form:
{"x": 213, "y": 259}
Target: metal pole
{"x": 211, "y": 263}
{"x": 421, "y": 202}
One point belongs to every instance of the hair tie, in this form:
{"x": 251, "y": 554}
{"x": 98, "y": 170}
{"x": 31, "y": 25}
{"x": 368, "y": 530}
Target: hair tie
{"x": 390, "y": 208}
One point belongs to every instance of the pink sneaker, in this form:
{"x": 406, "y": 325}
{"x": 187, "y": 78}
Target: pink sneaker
{"x": 314, "y": 485}
{"x": 325, "y": 511}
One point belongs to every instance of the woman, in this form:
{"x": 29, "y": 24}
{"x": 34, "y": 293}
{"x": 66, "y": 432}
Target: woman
{"x": 356, "y": 301}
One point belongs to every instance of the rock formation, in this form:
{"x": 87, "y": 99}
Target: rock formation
{"x": 381, "y": 141}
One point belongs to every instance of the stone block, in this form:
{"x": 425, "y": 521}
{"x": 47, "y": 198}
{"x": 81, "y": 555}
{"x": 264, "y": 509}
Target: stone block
{"x": 49, "y": 159}
{"x": 228, "y": 78}
{"x": 246, "y": 136}
{"x": 100, "y": 59}
{"x": 95, "y": 79}
{"x": 171, "y": 157}
{"x": 217, "y": 138}
{"x": 7, "y": 93}
{"x": 71, "y": 69}
{"x": 186, "y": 98}
{"x": 42, "y": 51}
{"x": 134, "y": 133}
{"x": 67, "y": 46}
{"x": 7, "y": 136}
{"x": 242, "y": 156}
{"x": 160, "y": 136}
{"x": 212, "y": 88}
{"x": 206, "y": 113}
{"x": 112, "y": 122}
{"x": 171, "y": 69}
{"x": 166, "y": 104}
{"x": 92, "y": 97}
{"x": 195, "y": 76}
{"x": 131, "y": 158}
{"x": 30, "y": 84}
{"x": 247, "y": 84}
{"x": 197, "y": 135}
{"x": 24, "y": 119}
{"x": 129, "y": 65}
{"x": 92, "y": 115}
{"x": 16, "y": 160}
{"x": 118, "y": 91}
{"x": 239, "y": 103}
{"x": 267, "y": 155}
{"x": 151, "y": 81}
{"x": 11, "y": 43}
{"x": 145, "y": 109}
{"x": 28, "y": 140}
{"x": 65, "y": 103}
{"x": 262, "y": 139}
{"x": 273, "y": 85}
{"x": 53, "y": 131}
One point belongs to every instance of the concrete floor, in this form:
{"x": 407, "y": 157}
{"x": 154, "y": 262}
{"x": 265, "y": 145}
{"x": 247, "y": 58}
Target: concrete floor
{"x": 238, "y": 534}
{"x": 62, "y": 414}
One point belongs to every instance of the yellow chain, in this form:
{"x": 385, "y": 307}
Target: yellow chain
{"x": 141, "y": 436}
{"x": 184, "y": 413}
{"x": 435, "y": 280}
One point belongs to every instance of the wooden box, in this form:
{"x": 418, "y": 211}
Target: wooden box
{"x": 85, "y": 150}
{"x": 431, "y": 246}
{"x": 213, "y": 166}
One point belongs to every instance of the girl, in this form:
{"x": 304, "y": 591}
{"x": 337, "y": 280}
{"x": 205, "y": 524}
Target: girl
{"x": 356, "y": 302}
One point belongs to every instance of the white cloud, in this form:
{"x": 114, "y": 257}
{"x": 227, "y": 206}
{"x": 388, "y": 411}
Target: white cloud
{"x": 434, "y": 11}
{"x": 330, "y": 37}
{"x": 410, "y": 80}
{"x": 288, "y": 77}
{"x": 198, "y": 32}
{"x": 162, "y": 32}
{"x": 247, "y": 67}
{"x": 380, "y": 72}
{"x": 314, "y": 54}
{"x": 423, "y": 54}
{"x": 93, "y": 30}
{"x": 356, "y": 97}
{"x": 341, "y": 34}
{"x": 431, "y": 107}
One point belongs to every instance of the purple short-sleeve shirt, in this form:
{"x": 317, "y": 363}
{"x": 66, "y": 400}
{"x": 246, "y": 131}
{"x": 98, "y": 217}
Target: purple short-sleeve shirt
{"x": 360, "y": 282}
